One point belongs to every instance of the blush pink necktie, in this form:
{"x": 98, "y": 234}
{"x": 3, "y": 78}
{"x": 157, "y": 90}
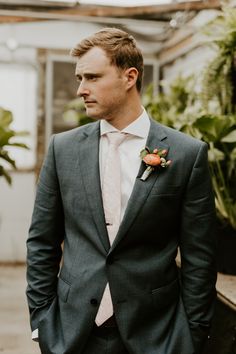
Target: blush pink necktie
{"x": 111, "y": 194}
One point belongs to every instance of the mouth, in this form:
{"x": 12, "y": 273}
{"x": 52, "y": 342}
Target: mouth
{"x": 89, "y": 102}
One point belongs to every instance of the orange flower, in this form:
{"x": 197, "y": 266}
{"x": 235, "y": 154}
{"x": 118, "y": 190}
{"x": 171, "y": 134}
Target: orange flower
{"x": 152, "y": 159}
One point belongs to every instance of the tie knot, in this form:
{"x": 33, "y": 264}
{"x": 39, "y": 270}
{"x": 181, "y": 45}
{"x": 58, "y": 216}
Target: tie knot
{"x": 116, "y": 138}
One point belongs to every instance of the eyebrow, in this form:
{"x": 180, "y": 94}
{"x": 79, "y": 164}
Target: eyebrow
{"x": 87, "y": 75}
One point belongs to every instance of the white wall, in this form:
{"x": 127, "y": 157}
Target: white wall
{"x": 193, "y": 62}
{"x": 16, "y": 205}
{"x": 194, "y": 56}
{"x": 18, "y": 90}
{"x": 46, "y": 34}
{"x": 51, "y": 35}
{"x": 18, "y": 93}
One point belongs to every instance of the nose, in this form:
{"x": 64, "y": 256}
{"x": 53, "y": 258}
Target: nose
{"x": 82, "y": 90}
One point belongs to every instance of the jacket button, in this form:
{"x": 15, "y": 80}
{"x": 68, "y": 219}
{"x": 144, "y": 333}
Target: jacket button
{"x": 110, "y": 260}
{"x": 94, "y": 302}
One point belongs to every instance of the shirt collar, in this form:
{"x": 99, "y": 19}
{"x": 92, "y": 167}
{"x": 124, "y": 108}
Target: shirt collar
{"x": 139, "y": 127}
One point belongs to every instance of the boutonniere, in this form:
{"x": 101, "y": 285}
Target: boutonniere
{"x": 153, "y": 159}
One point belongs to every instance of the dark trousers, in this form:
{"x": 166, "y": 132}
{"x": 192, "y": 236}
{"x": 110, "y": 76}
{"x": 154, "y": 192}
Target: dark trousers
{"x": 105, "y": 340}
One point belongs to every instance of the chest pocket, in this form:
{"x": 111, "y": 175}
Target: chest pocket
{"x": 166, "y": 190}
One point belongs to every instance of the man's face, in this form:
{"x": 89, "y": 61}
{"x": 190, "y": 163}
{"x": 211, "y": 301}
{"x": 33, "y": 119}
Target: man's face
{"x": 102, "y": 85}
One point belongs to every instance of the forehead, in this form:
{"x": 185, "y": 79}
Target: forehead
{"x": 95, "y": 59}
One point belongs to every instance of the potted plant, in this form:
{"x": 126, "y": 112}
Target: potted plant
{"x": 7, "y": 136}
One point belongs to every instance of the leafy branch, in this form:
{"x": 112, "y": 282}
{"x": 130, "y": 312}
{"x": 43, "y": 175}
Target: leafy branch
{"x": 7, "y": 136}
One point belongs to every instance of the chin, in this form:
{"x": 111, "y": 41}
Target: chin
{"x": 93, "y": 114}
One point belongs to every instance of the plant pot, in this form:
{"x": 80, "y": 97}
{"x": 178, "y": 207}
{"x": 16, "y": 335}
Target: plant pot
{"x": 226, "y": 255}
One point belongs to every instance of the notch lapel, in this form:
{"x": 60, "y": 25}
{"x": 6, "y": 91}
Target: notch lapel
{"x": 89, "y": 166}
{"x": 141, "y": 189}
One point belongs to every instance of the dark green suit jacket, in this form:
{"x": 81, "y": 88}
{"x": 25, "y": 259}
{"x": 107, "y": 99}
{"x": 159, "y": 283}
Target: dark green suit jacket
{"x": 158, "y": 309}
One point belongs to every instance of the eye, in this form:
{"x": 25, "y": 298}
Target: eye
{"x": 92, "y": 78}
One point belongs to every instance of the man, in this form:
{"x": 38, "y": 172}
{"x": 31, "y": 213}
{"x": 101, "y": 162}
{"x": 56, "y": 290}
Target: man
{"x": 114, "y": 286}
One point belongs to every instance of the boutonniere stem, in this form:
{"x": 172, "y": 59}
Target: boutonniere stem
{"x": 153, "y": 159}
{"x": 146, "y": 173}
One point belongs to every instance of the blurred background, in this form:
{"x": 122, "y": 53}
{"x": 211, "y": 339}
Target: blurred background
{"x": 189, "y": 50}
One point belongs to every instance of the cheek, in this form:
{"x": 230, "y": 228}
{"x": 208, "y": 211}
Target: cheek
{"x": 108, "y": 96}
{"x": 116, "y": 93}
{"x": 110, "y": 93}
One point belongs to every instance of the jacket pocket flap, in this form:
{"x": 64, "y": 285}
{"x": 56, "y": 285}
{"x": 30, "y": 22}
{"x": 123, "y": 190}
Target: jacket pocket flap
{"x": 165, "y": 190}
{"x": 166, "y": 295}
{"x": 63, "y": 289}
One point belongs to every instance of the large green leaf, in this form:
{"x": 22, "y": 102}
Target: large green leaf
{"x": 5, "y": 156}
{"x": 21, "y": 145}
{"x": 230, "y": 138}
{"x": 5, "y": 136}
{"x": 5, "y": 118}
{"x": 215, "y": 155}
{"x": 8, "y": 138}
{"x": 5, "y": 174}
{"x": 232, "y": 164}
{"x": 214, "y": 128}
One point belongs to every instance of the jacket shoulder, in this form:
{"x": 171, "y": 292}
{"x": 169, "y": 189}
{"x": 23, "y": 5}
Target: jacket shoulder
{"x": 180, "y": 138}
{"x": 76, "y": 133}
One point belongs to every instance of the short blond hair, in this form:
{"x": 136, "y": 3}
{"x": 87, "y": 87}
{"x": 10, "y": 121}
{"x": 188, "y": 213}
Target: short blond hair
{"x": 119, "y": 46}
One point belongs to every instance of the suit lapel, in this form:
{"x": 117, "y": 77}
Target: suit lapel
{"x": 141, "y": 190}
{"x": 89, "y": 166}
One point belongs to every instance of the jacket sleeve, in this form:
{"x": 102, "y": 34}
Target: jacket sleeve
{"x": 44, "y": 242}
{"x": 198, "y": 250}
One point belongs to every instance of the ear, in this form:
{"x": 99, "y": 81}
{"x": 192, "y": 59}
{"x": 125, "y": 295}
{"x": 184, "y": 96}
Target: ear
{"x": 131, "y": 75}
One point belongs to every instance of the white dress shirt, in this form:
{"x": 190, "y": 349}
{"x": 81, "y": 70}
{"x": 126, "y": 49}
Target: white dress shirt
{"x": 129, "y": 151}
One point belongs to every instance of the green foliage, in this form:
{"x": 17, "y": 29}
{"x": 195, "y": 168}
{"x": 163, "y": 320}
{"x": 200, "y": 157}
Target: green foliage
{"x": 220, "y": 74}
{"x": 7, "y": 139}
{"x": 177, "y": 106}
{"x": 75, "y": 113}
{"x": 220, "y": 133}
{"x": 218, "y": 130}
{"x": 209, "y": 115}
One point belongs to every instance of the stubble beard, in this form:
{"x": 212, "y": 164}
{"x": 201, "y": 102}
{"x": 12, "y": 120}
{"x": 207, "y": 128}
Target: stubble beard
{"x": 107, "y": 113}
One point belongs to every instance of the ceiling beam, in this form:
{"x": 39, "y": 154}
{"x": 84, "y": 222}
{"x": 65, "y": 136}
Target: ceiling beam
{"x": 139, "y": 16}
{"x": 118, "y": 11}
{"x": 88, "y": 11}
{"x": 39, "y": 3}
{"x": 65, "y": 16}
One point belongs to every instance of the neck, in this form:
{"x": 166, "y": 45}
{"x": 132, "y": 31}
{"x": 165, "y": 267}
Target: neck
{"x": 129, "y": 113}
